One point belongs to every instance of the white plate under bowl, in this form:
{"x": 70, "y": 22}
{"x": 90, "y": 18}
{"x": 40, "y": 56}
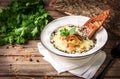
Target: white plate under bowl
{"x": 101, "y": 35}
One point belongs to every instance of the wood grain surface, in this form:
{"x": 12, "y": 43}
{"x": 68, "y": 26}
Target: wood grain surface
{"x": 25, "y": 61}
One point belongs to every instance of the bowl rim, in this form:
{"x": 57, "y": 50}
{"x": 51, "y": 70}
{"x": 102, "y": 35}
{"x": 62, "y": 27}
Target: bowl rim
{"x": 72, "y": 55}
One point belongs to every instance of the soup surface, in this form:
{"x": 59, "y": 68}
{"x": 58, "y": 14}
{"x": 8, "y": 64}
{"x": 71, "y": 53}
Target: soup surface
{"x": 70, "y": 39}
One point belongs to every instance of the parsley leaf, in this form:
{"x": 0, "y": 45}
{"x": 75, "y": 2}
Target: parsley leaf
{"x": 22, "y": 21}
{"x": 66, "y": 32}
{"x": 73, "y": 30}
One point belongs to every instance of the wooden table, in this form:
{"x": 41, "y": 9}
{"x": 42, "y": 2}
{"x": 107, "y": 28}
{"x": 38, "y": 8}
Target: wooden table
{"x": 25, "y": 61}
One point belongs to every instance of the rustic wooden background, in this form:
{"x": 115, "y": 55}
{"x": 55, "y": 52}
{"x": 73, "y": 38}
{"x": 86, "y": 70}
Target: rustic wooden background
{"x": 25, "y": 61}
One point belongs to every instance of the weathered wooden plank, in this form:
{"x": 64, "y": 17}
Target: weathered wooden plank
{"x": 40, "y": 77}
{"x": 21, "y": 60}
{"x": 9, "y": 66}
{"x": 33, "y": 60}
{"x": 47, "y": 77}
{"x": 25, "y": 51}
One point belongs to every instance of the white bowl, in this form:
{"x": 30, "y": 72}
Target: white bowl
{"x": 101, "y": 35}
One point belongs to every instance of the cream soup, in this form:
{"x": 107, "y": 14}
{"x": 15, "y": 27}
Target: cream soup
{"x": 67, "y": 39}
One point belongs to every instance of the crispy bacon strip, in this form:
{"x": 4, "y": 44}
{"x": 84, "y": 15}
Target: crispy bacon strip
{"x": 94, "y": 23}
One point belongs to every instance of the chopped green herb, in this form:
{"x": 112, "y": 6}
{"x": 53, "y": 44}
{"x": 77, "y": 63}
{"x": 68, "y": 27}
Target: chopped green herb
{"x": 73, "y": 30}
{"x": 22, "y": 20}
{"x": 66, "y": 32}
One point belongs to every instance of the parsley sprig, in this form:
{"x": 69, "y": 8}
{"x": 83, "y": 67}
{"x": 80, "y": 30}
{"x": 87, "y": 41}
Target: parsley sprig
{"x": 23, "y": 20}
{"x": 66, "y": 32}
